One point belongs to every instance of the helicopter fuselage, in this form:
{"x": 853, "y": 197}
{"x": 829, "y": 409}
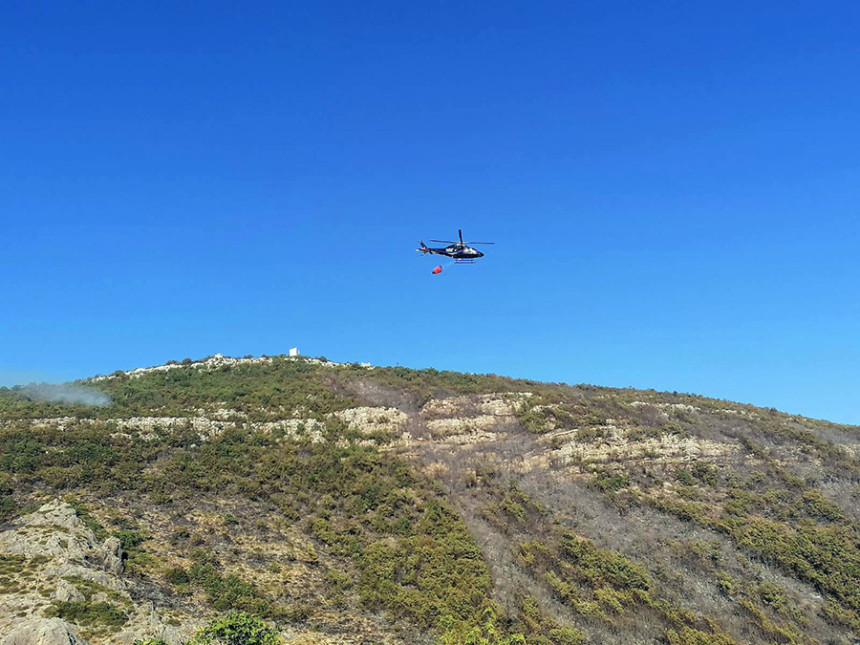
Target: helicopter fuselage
{"x": 458, "y": 252}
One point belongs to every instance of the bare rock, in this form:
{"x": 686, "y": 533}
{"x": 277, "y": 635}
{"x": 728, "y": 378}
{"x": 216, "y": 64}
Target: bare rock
{"x": 60, "y": 560}
{"x": 150, "y": 625}
{"x": 67, "y": 570}
{"x": 43, "y": 631}
{"x": 54, "y": 531}
{"x": 55, "y": 513}
{"x": 111, "y": 552}
{"x": 66, "y": 591}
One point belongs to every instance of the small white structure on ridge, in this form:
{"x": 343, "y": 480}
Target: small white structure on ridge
{"x": 294, "y": 351}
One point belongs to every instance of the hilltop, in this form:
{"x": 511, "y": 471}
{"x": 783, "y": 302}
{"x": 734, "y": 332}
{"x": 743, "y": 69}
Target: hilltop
{"x": 343, "y": 503}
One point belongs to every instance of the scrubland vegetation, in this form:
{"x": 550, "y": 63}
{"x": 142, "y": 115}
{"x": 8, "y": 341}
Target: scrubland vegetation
{"x": 596, "y": 515}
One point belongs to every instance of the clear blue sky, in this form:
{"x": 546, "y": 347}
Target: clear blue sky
{"x": 672, "y": 188}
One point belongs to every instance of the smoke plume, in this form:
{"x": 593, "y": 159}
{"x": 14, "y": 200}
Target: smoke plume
{"x": 65, "y": 393}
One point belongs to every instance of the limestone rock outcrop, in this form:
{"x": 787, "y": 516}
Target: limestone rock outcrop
{"x": 43, "y": 631}
{"x": 50, "y": 558}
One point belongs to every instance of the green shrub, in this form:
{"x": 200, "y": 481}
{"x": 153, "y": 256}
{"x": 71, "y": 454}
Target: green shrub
{"x": 177, "y": 576}
{"x": 129, "y": 539}
{"x": 236, "y": 628}
{"x": 685, "y": 477}
{"x": 690, "y": 636}
{"x": 590, "y": 434}
{"x": 88, "y": 614}
{"x": 607, "y": 483}
{"x": 485, "y": 629}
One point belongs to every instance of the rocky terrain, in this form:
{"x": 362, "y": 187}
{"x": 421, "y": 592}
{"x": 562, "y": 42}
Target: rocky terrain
{"x": 49, "y": 557}
{"x": 347, "y": 504}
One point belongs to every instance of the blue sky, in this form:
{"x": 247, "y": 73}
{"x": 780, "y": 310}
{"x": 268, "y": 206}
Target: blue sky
{"x": 672, "y": 189}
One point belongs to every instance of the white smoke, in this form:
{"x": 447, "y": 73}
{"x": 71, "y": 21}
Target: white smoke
{"x": 65, "y": 393}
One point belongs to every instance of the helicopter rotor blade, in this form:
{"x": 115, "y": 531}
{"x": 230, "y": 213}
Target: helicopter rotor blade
{"x": 443, "y": 241}
{"x": 470, "y": 243}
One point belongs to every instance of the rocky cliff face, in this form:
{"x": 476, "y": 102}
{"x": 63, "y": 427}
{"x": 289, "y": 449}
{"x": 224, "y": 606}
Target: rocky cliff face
{"x": 43, "y": 631}
{"x": 51, "y": 559}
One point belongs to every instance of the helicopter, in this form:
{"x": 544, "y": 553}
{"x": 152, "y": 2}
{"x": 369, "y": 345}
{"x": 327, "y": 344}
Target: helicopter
{"x": 461, "y": 252}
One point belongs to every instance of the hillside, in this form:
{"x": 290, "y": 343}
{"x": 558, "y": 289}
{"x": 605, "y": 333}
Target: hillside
{"x": 352, "y": 504}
